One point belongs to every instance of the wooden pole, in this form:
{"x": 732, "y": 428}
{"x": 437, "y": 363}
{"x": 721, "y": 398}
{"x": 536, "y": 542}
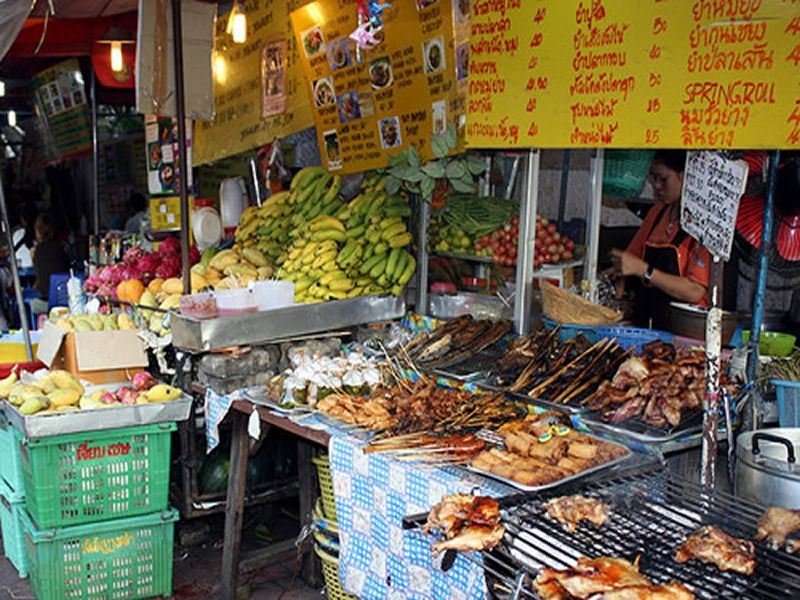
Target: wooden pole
{"x": 708, "y": 472}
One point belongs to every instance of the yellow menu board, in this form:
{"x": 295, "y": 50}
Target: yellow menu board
{"x": 259, "y": 92}
{"x": 634, "y": 74}
{"x": 370, "y": 103}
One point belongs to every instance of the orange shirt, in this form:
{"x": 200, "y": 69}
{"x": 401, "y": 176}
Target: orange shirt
{"x": 656, "y": 230}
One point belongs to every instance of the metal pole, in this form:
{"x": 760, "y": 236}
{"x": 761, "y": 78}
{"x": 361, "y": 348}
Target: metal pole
{"x": 422, "y": 256}
{"x": 95, "y": 160}
{"x": 254, "y": 178}
{"x": 12, "y": 258}
{"x": 562, "y": 198}
{"x": 708, "y": 472}
{"x": 527, "y": 238}
{"x": 763, "y": 269}
{"x": 177, "y": 46}
{"x": 593, "y": 224}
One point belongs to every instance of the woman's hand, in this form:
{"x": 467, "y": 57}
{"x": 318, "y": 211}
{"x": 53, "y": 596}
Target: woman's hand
{"x": 626, "y": 264}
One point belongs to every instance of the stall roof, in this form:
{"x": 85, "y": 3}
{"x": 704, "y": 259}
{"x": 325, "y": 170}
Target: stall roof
{"x": 84, "y": 9}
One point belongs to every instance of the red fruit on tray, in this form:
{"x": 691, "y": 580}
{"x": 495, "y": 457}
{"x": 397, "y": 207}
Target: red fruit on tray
{"x": 551, "y": 228}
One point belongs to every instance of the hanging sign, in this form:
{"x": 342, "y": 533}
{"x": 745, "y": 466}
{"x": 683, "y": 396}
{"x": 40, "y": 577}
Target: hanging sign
{"x": 63, "y": 111}
{"x": 163, "y": 157}
{"x": 598, "y": 73}
{"x": 712, "y": 189}
{"x": 368, "y": 103}
{"x": 259, "y": 93}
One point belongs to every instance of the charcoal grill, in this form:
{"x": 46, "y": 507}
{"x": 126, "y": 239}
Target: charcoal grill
{"x": 652, "y": 512}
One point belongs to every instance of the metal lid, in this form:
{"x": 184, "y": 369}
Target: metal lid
{"x": 771, "y": 454}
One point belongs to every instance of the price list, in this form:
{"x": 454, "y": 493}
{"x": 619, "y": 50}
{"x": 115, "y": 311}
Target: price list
{"x": 654, "y": 73}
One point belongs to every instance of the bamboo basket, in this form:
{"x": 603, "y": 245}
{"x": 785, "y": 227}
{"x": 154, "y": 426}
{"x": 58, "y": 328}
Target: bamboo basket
{"x": 565, "y": 307}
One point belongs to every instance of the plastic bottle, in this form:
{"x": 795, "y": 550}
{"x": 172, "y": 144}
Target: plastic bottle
{"x": 75, "y": 295}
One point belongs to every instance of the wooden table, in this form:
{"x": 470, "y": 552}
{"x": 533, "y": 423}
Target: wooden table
{"x": 308, "y": 440}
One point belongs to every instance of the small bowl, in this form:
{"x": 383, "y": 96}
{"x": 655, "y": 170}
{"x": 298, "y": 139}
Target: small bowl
{"x": 772, "y": 343}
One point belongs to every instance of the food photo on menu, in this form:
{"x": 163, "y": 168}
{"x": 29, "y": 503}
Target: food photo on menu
{"x": 348, "y": 107}
{"x": 433, "y": 55}
{"x": 324, "y": 94}
{"x": 313, "y": 41}
{"x": 389, "y": 129}
{"x": 380, "y": 73}
{"x": 332, "y": 148}
{"x": 339, "y": 54}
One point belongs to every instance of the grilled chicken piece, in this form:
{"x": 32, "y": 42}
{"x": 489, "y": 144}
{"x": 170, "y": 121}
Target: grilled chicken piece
{"x": 571, "y": 510}
{"x": 473, "y": 538}
{"x": 712, "y": 545}
{"x": 467, "y": 522}
{"x": 604, "y": 578}
{"x": 776, "y": 524}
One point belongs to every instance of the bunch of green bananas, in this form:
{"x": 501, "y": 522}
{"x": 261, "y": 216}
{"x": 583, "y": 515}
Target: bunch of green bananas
{"x": 332, "y": 250}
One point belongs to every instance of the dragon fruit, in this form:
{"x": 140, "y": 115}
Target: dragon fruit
{"x": 194, "y": 255}
{"x": 93, "y": 281}
{"x": 143, "y": 381}
{"x": 169, "y": 247}
{"x": 170, "y": 267}
{"x": 127, "y": 395}
{"x": 132, "y": 255}
{"x": 147, "y": 266}
{"x": 108, "y": 398}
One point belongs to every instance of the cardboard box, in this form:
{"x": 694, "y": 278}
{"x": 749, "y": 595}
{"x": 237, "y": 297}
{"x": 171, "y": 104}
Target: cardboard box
{"x": 94, "y": 356}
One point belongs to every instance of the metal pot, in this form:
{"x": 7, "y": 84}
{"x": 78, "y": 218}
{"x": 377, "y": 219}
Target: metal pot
{"x": 689, "y": 321}
{"x": 766, "y": 467}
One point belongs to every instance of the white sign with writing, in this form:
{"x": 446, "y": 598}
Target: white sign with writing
{"x": 712, "y": 189}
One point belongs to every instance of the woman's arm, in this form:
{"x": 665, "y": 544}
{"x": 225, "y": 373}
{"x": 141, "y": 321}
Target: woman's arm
{"x": 680, "y": 288}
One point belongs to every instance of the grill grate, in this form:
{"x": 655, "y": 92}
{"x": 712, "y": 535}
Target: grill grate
{"x": 651, "y": 514}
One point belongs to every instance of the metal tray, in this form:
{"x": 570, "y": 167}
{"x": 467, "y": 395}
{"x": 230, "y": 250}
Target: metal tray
{"x": 273, "y": 325}
{"x": 547, "y": 486}
{"x": 636, "y": 429}
{"x": 99, "y": 419}
{"x": 491, "y": 385}
{"x": 474, "y": 368}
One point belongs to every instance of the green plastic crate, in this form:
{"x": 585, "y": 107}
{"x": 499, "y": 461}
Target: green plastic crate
{"x": 11, "y": 463}
{"x": 125, "y": 558}
{"x": 80, "y": 478}
{"x": 12, "y": 506}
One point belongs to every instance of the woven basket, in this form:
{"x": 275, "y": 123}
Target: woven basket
{"x": 624, "y": 172}
{"x": 330, "y": 572}
{"x": 566, "y": 307}
{"x": 323, "y": 465}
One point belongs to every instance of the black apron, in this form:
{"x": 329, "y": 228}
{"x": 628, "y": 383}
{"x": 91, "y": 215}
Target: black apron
{"x": 651, "y": 305}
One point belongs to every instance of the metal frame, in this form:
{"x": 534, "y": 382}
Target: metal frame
{"x": 593, "y": 223}
{"x": 526, "y": 242}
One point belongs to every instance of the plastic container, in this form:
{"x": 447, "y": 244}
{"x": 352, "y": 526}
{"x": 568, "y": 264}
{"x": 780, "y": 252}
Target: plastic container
{"x": 82, "y": 478}
{"x": 326, "y": 486}
{"x": 234, "y": 302}
{"x": 330, "y": 572}
{"x": 269, "y": 295}
{"x": 788, "y": 396}
{"x": 199, "y": 306}
{"x": 772, "y": 343}
{"x": 634, "y": 337}
{"x": 206, "y": 224}
{"x": 125, "y": 558}
{"x": 10, "y": 458}
{"x": 12, "y": 506}
{"x": 624, "y": 172}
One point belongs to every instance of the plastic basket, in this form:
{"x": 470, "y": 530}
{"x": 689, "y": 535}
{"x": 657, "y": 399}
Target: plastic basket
{"x": 624, "y": 172}
{"x": 97, "y": 476}
{"x": 330, "y": 572}
{"x": 10, "y": 460}
{"x": 634, "y": 337}
{"x": 788, "y": 396}
{"x": 327, "y": 526}
{"x": 125, "y": 558}
{"x": 569, "y": 331}
{"x": 12, "y": 505}
{"x": 326, "y": 486}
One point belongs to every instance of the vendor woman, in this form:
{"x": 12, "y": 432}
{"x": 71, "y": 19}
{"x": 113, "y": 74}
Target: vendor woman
{"x": 667, "y": 263}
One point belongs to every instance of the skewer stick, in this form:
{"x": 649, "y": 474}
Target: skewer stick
{"x": 566, "y": 392}
{"x": 535, "y": 391}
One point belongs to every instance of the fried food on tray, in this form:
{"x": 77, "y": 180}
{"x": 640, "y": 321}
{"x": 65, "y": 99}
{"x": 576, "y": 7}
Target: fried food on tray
{"x": 776, "y": 524}
{"x": 468, "y": 523}
{"x": 712, "y": 545}
{"x": 604, "y": 577}
{"x": 535, "y": 457}
{"x": 571, "y": 510}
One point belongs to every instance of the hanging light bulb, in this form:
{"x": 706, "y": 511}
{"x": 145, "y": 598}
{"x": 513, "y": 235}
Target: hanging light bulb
{"x": 12, "y": 118}
{"x": 2, "y": 88}
{"x": 237, "y": 24}
{"x": 116, "y": 57}
{"x": 220, "y": 68}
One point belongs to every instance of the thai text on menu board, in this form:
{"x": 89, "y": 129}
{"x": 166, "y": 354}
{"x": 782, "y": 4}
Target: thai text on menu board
{"x": 369, "y": 103}
{"x": 650, "y": 73}
{"x": 712, "y": 189}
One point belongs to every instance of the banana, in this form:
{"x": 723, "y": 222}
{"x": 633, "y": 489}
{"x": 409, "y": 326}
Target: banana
{"x": 393, "y": 230}
{"x": 368, "y": 265}
{"x": 7, "y": 383}
{"x": 326, "y": 222}
{"x": 391, "y": 264}
{"x": 396, "y": 290}
{"x": 218, "y": 261}
{"x": 305, "y": 176}
{"x": 342, "y": 284}
{"x": 255, "y": 257}
{"x": 338, "y": 294}
{"x": 381, "y": 247}
{"x": 325, "y": 247}
{"x": 398, "y": 241}
{"x": 369, "y": 252}
{"x": 400, "y": 267}
{"x": 346, "y": 252}
{"x": 333, "y": 190}
{"x": 355, "y": 232}
{"x": 409, "y": 272}
{"x": 302, "y": 284}
{"x": 388, "y": 222}
{"x": 402, "y": 211}
{"x": 323, "y": 259}
{"x": 328, "y": 234}
{"x": 162, "y": 393}
{"x": 379, "y": 267}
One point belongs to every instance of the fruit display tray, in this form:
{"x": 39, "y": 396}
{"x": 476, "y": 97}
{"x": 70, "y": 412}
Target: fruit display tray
{"x": 282, "y": 323}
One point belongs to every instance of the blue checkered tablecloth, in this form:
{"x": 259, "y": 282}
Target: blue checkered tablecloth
{"x": 378, "y": 559}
